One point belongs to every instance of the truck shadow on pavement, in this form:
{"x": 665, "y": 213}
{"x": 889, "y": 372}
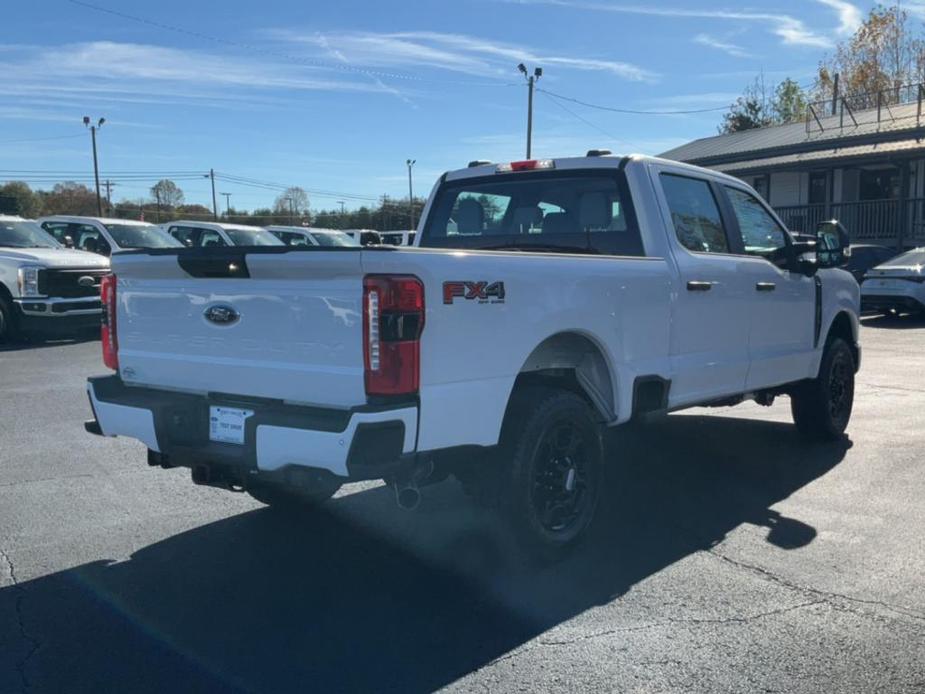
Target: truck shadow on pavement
{"x": 329, "y": 601}
{"x": 903, "y": 322}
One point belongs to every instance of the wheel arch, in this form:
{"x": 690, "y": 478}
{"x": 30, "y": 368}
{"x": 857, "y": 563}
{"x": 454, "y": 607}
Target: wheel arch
{"x": 843, "y": 325}
{"x": 573, "y": 360}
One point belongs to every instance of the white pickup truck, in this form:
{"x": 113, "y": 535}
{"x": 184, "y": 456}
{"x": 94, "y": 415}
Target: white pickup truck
{"x": 544, "y": 301}
{"x": 45, "y": 287}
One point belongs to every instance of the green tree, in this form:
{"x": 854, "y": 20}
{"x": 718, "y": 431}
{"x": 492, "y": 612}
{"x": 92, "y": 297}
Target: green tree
{"x": 16, "y": 197}
{"x": 749, "y": 111}
{"x": 789, "y": 102}
{"x": 69, "y": 198}
{"x": 756, "y": 109}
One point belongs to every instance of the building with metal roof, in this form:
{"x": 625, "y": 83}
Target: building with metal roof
{"x": 858, "y": 159}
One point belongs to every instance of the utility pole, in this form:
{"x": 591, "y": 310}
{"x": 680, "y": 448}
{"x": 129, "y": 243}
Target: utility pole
{"x": 214, "y": 203}
{"x": 342, "y": 210}
{"x": 108, "y": 185}
{"x": 835, "y": 95}
{"x": 157, "y": 197}
{"x": 411, "y": 163}
{"x": 291, "y": 213}
{"x": 227, "y": 203}
{"x": 531, "y": 83}
{"x": 96, "y": 167}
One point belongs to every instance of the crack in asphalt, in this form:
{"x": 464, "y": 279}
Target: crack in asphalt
{"x": 822, "y": 597}
{"x": 672, "y": 621}
{"x": 696, "y": 621}
{"x": 23, "y": 632}
{"x": 827, "y": 596}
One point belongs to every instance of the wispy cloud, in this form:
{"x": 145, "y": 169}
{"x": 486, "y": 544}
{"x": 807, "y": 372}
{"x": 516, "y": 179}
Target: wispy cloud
{"x": 136, "y": 72}
{"x": 720, "y": 45}
{"x": 790, "y": 29}
{"x": 849, "y": 16}
{"x": 459, "y": 53}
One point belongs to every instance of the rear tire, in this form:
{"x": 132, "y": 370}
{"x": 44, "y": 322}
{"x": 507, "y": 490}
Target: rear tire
{"x": 8, "y": 332}
{"x": 822, "y": 407}
{"x": 554, "y": 450}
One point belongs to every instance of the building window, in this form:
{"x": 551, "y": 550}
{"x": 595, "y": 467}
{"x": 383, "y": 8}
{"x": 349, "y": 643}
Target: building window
{"x": 818, "y": 181}
{"x": 879, "y": 184}
{"x": 762, "y": 186}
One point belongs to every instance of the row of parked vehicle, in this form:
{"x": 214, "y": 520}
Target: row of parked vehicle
{"x": 50, "y": 268}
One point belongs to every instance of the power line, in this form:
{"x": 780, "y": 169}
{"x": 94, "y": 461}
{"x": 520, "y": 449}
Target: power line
{"x": 634, "y": 111}
{"x": 581, "y": 118}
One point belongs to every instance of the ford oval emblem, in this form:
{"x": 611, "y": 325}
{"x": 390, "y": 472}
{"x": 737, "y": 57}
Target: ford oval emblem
{"x": 86, "y": 281}
{"x": 221, "y": 315}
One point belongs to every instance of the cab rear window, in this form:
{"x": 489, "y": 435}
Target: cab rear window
{"x": 573, "y": 210}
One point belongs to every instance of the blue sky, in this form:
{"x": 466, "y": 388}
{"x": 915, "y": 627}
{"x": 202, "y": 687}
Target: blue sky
{"x": 335, "y": 96}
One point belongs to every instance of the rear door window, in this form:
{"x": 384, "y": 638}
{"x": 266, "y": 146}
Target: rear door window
{"x": 695, "y": 214}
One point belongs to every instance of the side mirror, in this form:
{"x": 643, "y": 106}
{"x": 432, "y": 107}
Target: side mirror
{"x": 802, "y": 258}
{"x": 833, "y": 245}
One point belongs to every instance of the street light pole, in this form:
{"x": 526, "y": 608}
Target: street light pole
{"x": 411, "y": 163}
{"x": 96, "y": 167}
{"x": 227, "y": 203}
{"x": 531, "y": 84}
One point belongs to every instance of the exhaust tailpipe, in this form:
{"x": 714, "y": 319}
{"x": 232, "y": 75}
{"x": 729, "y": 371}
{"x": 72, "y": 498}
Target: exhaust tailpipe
{"x": 407, "y": 493}
{"x": 407, "y": 496}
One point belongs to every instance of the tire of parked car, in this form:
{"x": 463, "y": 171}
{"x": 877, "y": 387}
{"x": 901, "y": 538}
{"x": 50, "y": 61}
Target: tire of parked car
{"x": 7, "y": 326}
{"x": 553, "y": 454}
{"x": 822, "y": 407}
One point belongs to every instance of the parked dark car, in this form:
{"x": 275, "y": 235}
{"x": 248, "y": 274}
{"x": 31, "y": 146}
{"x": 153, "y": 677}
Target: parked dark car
{"x": 865, "y": 256}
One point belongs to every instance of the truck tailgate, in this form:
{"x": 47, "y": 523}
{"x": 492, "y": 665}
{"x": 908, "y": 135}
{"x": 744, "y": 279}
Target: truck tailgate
{"x": 285, "y": 325}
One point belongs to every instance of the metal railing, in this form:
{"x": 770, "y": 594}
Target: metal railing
{"x": 887, "y": 222}
{"x": 864, "y": 108}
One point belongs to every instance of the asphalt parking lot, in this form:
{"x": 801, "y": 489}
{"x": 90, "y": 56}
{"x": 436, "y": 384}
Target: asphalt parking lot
{"x": 731, "y": 558}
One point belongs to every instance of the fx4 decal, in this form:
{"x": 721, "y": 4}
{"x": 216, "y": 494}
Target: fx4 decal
{"x": 483, "y": 292}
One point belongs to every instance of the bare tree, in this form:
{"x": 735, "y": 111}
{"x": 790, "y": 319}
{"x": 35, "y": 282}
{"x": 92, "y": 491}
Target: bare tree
{"x": 167, "y": 193}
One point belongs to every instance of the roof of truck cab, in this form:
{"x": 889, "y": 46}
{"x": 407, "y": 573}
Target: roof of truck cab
{"x": 206, "y": 225}
{"x": 83, "y": 218}
{"x": 608, "y": 161}
{"x": 13, "y": 218}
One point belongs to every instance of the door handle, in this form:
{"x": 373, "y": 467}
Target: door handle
{"x": 699, "y": 286}
{"x": 765, "y": 286}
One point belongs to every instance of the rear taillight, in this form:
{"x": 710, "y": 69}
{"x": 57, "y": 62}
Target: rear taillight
{"x": 108, "y": 331}
{"x": 393, "y": 318}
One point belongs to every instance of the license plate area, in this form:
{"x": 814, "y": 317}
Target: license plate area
{"x": 228, "y": 424}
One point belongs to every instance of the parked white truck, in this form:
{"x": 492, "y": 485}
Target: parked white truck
{"x": 545, "y": 301}
{"x": 44, "y": 287}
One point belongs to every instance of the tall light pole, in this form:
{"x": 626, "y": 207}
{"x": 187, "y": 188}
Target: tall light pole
{"x": 411, "y": 163}
{"x": 531, "y": 83}
{"x": 227, "y": 203}
{"x": 96, "y": 167}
